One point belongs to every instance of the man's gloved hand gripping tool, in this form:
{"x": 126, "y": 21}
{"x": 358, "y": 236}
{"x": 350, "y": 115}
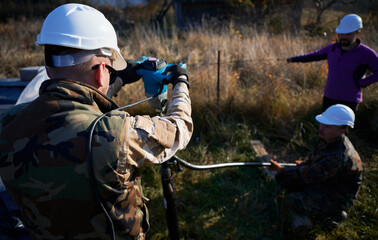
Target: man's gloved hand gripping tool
{"x": 155, "y": 74}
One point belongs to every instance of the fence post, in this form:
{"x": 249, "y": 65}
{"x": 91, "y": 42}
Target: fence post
{"x": 218, "y": 84}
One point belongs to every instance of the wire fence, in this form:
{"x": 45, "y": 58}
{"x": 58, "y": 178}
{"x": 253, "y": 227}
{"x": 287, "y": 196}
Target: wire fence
{"x": 219, "y": 63}
{"x": 236, "y": 61}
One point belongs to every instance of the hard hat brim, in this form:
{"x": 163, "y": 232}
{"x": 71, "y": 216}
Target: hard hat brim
{"x": 119, "y": 63}
{"x": 345, "y": 31}
{"x": 321, "y": 119}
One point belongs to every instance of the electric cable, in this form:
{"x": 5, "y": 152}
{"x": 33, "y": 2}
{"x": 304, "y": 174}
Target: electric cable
{"x": 90, "y": 162}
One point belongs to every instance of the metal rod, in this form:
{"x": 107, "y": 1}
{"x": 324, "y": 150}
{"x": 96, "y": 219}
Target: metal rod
{"x": 218, "y": 81}
{"x": 225, "y": 165}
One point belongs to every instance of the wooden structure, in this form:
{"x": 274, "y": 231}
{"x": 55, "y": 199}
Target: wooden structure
{"x": 262, "y": 155}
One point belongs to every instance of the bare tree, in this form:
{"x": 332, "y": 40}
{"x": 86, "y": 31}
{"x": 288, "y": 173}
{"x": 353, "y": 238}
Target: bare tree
{"x": 295, "y": 16}
{"x": 322, "y": 5}
{"x": 159, "y": 15}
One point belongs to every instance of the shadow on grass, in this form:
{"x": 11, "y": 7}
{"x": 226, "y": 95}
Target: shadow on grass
{"x": 242, "y": 203}
{"x": 232, "y": 203}
{"x": 238, "y": 203}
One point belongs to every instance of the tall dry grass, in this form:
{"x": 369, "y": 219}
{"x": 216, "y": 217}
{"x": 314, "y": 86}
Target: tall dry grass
{"x": 261, "y": 97}
{"x": 254, "y": 76}
{"x": 17, "y": 48}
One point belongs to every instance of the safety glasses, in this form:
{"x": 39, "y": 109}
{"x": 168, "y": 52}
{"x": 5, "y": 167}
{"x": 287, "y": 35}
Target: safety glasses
{"x": 112, "y": 71}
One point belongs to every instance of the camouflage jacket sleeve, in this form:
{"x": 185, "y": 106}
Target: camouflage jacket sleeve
{"x": 323, "y": 165}
{"x": 156, "y": 139}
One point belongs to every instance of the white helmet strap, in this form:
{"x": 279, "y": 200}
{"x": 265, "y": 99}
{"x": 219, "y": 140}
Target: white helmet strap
{"x": 79, "y": 57}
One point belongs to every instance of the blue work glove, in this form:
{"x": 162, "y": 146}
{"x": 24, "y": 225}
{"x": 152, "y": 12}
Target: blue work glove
{"x": 153, "y": 81}
{"x": 129, "y": 74}
{"x": 177, "y": 71}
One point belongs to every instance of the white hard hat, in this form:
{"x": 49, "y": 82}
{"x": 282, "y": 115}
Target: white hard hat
{"x": 83, "y": 27}
{"x": 349, "y": 23}
{"x": 338, "y": 114}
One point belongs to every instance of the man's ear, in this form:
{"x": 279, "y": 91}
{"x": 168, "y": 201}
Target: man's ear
{"x": 100, "y": 75}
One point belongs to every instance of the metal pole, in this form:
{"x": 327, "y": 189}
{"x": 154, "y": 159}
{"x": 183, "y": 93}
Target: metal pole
{"x": 226, "y": 165}
{"x": 218, "y": 84}
{"x": 169, "y": 201}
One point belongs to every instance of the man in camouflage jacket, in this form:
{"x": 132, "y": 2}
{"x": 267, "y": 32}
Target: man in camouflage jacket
{"x": 43, "y": 144}
{"x": 327, "y": 183}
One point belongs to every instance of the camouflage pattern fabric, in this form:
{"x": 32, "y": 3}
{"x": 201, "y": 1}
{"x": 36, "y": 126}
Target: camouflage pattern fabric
{"x": 43, "y": 160}
{"x": 11, "y": 226}
{"x": 324, "y": 185}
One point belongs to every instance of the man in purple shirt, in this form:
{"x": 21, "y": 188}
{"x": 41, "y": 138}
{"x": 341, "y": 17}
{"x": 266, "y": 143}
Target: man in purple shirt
{"x": 348, "y": 62}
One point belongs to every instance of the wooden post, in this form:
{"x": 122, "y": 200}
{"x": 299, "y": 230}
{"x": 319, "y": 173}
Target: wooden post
{"x": 262, "y": 155}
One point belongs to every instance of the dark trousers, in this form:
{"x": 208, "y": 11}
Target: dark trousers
{"x": 327, "y": 102}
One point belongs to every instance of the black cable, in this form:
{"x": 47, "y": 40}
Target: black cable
{"x": 90, "y": 162}
{"x": 92, "y": 175}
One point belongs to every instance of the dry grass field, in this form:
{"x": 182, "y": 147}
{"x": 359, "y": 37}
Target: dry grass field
{"x": 261, "y": 97}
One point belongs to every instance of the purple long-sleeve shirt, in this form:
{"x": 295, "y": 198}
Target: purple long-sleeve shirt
{"x": 346, "y": 70}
